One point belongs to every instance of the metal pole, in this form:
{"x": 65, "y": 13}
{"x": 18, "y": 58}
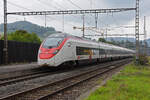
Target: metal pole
{"x": 145, "y": 36}
{"x": 106, "y": 33}
{"x": 5, "y": 49}
{"x": 96, "y": 19}
{"x": 63, "y": 24}
{"x": 137, "y": 31}
{"x": 83, "y": 25}
{"x": 45, "y": 21}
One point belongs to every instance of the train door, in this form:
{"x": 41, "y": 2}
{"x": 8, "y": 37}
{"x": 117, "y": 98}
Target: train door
{"x": 69, "y": 52}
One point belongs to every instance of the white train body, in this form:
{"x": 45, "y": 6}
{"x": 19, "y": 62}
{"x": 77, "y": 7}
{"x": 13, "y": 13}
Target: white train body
{"x": 60, "y": 48}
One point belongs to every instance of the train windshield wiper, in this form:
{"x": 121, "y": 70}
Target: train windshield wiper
{"x": 49, "y": 47}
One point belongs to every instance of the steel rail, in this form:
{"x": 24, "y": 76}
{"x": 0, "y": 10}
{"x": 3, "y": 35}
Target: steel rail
{"x": 94, "y": 74}
{"x": 105, "y": 66}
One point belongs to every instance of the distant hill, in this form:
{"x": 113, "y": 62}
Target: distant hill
{"x": 148, "y": 41}
{"x": 119, "y": 39}
{"x": 41, "y": 31}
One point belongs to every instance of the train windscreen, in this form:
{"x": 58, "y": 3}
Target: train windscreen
{"x": 52, "y": 42}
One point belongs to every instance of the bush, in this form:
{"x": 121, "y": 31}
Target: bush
{"x": 23, "y": 36}
{"x": 143, "y": 60}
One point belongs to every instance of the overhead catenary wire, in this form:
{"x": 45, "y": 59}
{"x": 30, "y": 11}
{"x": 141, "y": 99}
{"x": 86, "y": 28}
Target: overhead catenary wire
{"x": 47, "y": 4}
{"x": 78, "y": 7}
{"x": 61, "y": 9}
{"x": 74, "y": 4}
{"x": 121, "y": 27}
{"x": 1, "y": 15}
{"x": 31, "y": 10}
{"x": 18, "y": 6}
{"x": 57, "y": 8}
{"x": 96, "y": 15}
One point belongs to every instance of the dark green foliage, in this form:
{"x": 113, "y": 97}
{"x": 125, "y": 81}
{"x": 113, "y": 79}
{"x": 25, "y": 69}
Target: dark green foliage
{"x": 143, "y": 60}
{"x": 41, "y": 31}
{"x": 109, "y": 42}
{"x": 23, "y": 36}
{"x": 101, "y": 40}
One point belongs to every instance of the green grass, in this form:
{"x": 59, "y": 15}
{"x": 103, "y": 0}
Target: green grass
{"x": 133, "y": 83}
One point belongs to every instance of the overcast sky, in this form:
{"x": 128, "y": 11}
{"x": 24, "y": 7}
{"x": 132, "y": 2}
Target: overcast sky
{"x": 105, "y": 20}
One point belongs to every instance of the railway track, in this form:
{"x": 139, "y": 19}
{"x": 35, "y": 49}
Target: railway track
{"x": 23, "y": 78}
{"x": 49, "y": 89}
{"x": 15, "y": 75}
{"x": 32, "y": 75}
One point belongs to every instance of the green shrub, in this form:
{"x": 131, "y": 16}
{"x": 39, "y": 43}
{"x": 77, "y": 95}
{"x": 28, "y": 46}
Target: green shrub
{"x": 23, "y": 36}
{"x": 143, "y": 60}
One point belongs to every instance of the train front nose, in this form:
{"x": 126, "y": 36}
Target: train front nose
{"x": 46, "y": 57}
{"x": 46, "y": 62}
{"x": 49, "y": 48}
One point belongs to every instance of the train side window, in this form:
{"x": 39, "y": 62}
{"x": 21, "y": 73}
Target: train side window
{"x": 82, "y": 51}
{"x": 86, "y": 51}
{"x": 101, "y": 51}
{"x": 95, "y": 51}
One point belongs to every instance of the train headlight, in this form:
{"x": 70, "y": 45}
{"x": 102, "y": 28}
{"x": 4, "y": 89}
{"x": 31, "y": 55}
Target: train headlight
{"x": 39, "y": 51}
{"x": 56, "y": 51}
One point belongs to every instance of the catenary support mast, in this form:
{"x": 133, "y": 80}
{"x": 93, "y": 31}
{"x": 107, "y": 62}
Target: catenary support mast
{"x": 5, "y": 50}
{"x": 137, "y": 31}
{"x": 145, "y": 37}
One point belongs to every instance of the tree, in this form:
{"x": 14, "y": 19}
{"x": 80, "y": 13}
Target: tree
{"x": 23, "y": 36}
{"x": 1, "y": 36}
{"x": 102, "y": 40}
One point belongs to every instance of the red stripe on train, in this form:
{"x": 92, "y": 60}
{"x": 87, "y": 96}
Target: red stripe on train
{"x": 49, "y": 53}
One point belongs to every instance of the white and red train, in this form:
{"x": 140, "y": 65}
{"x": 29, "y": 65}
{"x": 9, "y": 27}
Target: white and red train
{"x": 61, "y": 48}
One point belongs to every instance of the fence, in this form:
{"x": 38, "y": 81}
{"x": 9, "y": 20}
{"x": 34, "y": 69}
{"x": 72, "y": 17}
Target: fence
{"x": 19, "y": 52}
